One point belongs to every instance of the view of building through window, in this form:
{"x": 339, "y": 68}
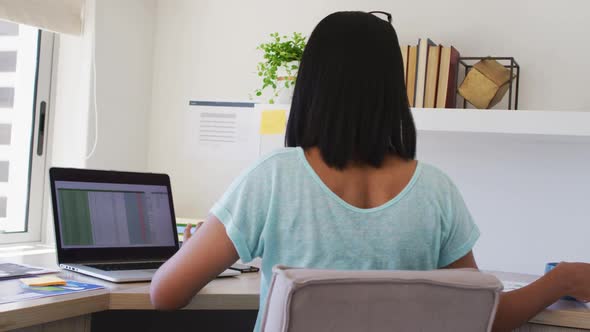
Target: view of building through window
{"x": 18, "y": 72}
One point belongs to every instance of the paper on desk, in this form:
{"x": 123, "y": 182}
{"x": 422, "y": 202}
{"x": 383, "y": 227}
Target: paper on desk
{"x": 18, "y": 297}
{"x": 44, "y": 281}
{"x": 14, "y": 290}
{"x": 14, "y": 270}
{"x": 513, "y": 285}
{"x": 223, "y": 131}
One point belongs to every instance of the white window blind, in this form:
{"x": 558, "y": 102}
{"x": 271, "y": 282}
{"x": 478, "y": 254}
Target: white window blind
{"x": 65, "y": 16}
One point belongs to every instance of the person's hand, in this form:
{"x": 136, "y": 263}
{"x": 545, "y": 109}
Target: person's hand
{"x": 188, "y": 231}
{"x": 578, "y": 275}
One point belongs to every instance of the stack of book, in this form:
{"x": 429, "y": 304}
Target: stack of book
{"x": 430, "y": 74}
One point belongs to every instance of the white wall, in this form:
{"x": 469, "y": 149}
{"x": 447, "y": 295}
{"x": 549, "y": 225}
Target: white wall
{"x": 208, "y": 47}
{"x": 124, "y": 61}
{"x": 71, "y": 102}
{"x": 165, "y": 52}
{"x": 124, "y": 53}
{"x": 124, "y": 49}
{"x": 69, "y": 107}
{"x": 206, "y": 50}
{"x": 527, "y": 193}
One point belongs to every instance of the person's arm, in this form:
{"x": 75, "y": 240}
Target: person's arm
{"x": 519, "y": 306}
{"x": 197, "y": 262}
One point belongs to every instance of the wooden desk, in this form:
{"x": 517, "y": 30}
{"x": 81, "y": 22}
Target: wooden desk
{"x": 72, "y": 312}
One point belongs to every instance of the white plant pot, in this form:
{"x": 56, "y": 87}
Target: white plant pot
{"x": 285, "y": 95}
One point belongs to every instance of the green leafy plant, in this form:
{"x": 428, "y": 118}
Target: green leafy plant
{"x": 281, "y": 62}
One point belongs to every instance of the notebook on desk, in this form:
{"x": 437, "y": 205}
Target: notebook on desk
{"x": 117, "y": 226}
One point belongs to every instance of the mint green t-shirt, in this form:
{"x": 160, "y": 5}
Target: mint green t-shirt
{"x": 281, "y": 211}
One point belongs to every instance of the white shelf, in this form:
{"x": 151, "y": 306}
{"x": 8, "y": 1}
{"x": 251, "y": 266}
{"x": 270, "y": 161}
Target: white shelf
{"x": 546, "y": 123}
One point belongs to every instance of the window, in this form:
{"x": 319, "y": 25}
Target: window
{"x": 25, "y": 77}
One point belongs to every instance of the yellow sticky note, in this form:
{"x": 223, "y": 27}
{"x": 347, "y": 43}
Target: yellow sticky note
{"x": 44, "y": 281}
{"x": 273, "y": 122}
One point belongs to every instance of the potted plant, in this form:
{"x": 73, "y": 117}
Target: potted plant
{"x": 278, "y": 70}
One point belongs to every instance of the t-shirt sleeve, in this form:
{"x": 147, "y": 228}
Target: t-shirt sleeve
{"x": 459, "y": 231}
{"x": 242, "y": 210}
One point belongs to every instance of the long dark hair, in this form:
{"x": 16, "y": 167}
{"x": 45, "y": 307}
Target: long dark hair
{"x": 350, "y": 98}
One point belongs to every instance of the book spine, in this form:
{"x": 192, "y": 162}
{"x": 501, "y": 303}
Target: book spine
{"x": 453, "y": 73}
{"x": 423, "y": 48}
{"x": 419, "y": 85}
{"x": 406, "y": 51}
{"x": 440, "y": 48}
{"x": 412, "y": 67}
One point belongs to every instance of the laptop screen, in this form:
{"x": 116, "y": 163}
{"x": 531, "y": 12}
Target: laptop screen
{"x": 109, "y": 215}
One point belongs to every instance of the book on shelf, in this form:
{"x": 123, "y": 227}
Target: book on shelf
{"x": 447, "y": 80}
{"x": 432, "y": 72}
{"x": 404, "y": 50}
{"x": 411, "y": 75}
{"x": 423, "y": 50}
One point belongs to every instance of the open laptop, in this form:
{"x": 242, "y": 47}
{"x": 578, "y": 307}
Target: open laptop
{"x": 117, "y": 226}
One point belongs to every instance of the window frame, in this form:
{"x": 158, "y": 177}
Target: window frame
{"x": 37, "y": 165}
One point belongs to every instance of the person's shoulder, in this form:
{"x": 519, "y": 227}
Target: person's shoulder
{"x": 276, "y": 159}
{"x": 437, "y": 187}
{"x": 273, "y": 162}
{"x": 260, "y": 176}
{"x": 282, "y": 154}
{"x": 434, "y": 177}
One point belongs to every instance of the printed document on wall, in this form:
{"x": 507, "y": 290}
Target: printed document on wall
{"x": 223, "y": 131}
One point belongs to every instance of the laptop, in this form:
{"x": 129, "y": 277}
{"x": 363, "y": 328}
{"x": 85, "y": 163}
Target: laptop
{"x": 117, "y": 226}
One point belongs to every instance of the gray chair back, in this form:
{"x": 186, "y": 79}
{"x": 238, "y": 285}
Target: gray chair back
{"x": 307, "y": 300}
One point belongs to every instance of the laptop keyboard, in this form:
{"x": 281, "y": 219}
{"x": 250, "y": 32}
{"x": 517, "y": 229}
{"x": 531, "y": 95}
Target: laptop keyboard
{"x": 127, "y": 266}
